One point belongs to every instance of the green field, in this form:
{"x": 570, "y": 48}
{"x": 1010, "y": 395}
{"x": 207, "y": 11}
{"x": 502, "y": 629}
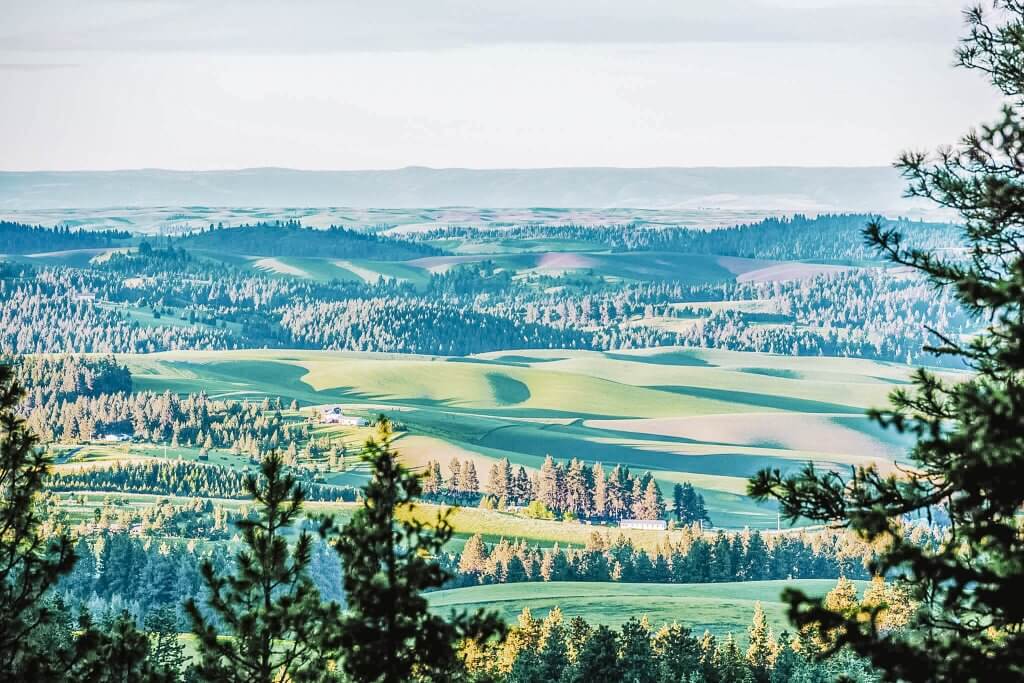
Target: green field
{"x": 718, "y": 607}
{"x": 712, "y": 418}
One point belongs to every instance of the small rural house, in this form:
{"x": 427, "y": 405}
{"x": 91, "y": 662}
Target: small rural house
{"x": 117, "y": 437}
{"x": 649, "y": 524}
{"x": 333, "y": 415}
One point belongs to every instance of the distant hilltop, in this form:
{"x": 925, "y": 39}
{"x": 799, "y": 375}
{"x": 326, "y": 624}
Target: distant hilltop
{"x": 775, "y": 189}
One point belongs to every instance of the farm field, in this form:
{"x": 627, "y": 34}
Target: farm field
{"x": 711, "y": 418}
{"x": 717, "y": 607}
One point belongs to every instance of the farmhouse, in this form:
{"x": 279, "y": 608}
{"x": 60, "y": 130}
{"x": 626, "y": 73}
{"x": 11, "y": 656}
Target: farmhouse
{"x": 333, "y": 415}
{"x": 117, "y": 437}
{"x": 650, "y": 524}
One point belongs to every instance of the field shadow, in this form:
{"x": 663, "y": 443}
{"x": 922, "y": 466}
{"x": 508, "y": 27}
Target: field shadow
{"x": 787, "y": 403}
{"x": 679, "y": 358}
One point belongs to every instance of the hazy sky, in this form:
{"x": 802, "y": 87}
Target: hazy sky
{"x": 329, "y": 84}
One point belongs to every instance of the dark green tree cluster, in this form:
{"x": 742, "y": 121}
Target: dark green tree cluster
{"x": 691, "y": 558}
{"x": 826, "y": 237}
{"x": 176, "y": 478}
{"x": 289, "y": 238}
{"x": 575, "y": 651}
{"x": 18, "y": 238}
{"x": 576, "y": 490}
{"x": 63, "y": 377}
{"x": 37, "y": 639}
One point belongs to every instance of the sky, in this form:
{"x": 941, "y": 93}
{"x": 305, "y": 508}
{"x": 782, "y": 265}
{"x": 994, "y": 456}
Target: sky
{"x": 341, "y": 84}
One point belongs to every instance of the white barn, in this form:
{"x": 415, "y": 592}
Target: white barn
{"x": 648, "y": 524}
{"x": 334, "y": 415}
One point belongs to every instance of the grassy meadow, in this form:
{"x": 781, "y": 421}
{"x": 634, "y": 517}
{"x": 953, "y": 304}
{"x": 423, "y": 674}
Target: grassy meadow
{"x": 717, "y": 607}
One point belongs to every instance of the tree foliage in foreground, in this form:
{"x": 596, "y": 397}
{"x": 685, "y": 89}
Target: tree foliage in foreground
{"x": 387, "y": 633}
{"x": 969, "y": 455}
{"x": 278, "y": 627}
{"x": 31, "y": 561}
{"x": 37, "y": 640}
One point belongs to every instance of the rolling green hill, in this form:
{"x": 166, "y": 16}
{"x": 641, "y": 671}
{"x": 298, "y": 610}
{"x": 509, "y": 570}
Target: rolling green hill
{"x": 712, "y": 418}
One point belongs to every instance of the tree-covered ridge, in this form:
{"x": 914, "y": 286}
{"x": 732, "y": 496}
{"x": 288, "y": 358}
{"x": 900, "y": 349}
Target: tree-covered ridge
{"x": 289, "y": 238}
{"x": 18, "y": 238}
{"x": 828, "y": 237}
{"x": 120, "y": 306}
{"x": 419, "y": 325}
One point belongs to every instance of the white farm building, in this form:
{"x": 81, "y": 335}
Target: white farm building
{"x": 333, "y": 415}
{"x": 649, "y": 524}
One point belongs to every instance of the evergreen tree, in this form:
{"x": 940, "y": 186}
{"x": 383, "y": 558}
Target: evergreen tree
{"x": 552, "y": 659}
{"x": 388, "y": 633}
{"x": 455, "y": 475}
{"x": 635, "y": 654}
{"x": 969, "y": 454}
{"x": 678, "y": 653}
{"x": 270, "y": 607}
{"x": 761, "y": 646}
{"x": 599, "y": 659}
{"x": 29, "y": 562}
{"x": 470, "y": 483}
{"x": 166, "y": 652}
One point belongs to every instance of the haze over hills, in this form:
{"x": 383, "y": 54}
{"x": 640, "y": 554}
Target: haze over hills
{"x": 875, "y": 189}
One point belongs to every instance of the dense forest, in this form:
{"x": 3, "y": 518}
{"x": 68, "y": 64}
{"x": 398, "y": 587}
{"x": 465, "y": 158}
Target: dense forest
{"x": 828, "y": 237}
{"x": 176, "y": 478}
{"x": 170, "y": 298}
{"x": 18, "y": 238}
{"x": 289, "y": 238}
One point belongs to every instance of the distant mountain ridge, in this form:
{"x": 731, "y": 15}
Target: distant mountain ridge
{"x": 877, "y": 189}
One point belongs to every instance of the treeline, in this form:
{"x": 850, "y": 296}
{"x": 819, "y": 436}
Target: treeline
{"x": 416, "y": 325}
{"x": 863, "y": 313}
{"x": 57, "y": 378}
{"x": 692, "y": 557}
{"x": 247, "y": 427}
{"x": 289, "y": 238}
{"x": 18, "y": 238}
{"x": 119, "y": 573}
{"x": 827, "y": 237}
{"x": 572, "y": 490}
{"x": 199, "y": 519}
{"x": 176, "y": 478}
{"x": 120, "y": 305}
{"x": 575, "y": 651}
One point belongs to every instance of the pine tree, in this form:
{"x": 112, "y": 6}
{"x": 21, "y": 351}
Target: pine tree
{"x": 599, "y": 659}
{"x": 678, "y": 653}
{"x": 30, "y": 564}
{"x": 473, "y": 559}
{"x": 636, "y": 657}
{"x": 455, "y": 475}
{"x": 761, "y": 647}
{"x": 969, "y": 454}
{"x": 388, "y": 632}
{"x": 166, "y": 652}
{"x": 279, "y": 628}
{"x": 552, "y": 657}
{"x": 470, "y": 483}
